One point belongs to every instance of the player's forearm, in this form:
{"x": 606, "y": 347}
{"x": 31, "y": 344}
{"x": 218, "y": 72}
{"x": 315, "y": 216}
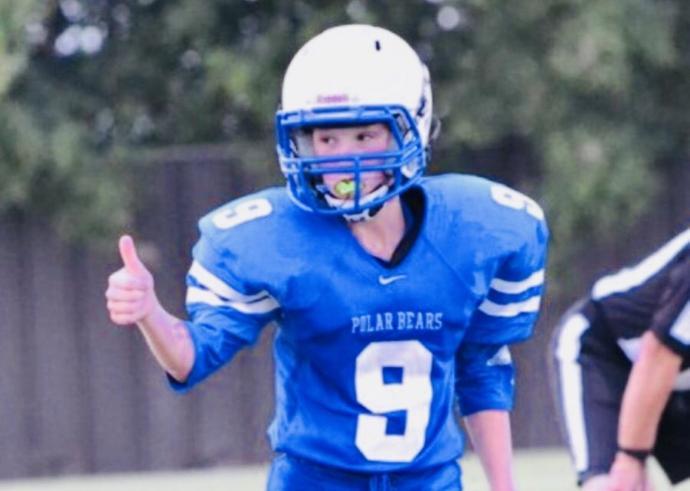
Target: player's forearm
{"x": 646, "y": 394}
{"x": 169, "y": 341}
{"x": 491, "y": 437}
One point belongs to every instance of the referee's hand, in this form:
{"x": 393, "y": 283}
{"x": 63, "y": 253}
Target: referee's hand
{"x": 628, "y": 474}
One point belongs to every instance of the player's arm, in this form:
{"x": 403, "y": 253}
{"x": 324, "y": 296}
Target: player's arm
{"x": 484, "y": 388}
{"x": 484, "y": 369}
{"x": 491, "y": 438}
{"x": 131, "y": 299}
{"x": 169, "y": 341}
{"x": 646, "y": 394}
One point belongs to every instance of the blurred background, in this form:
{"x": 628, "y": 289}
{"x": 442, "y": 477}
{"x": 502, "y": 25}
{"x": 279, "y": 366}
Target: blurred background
{"x": 140, "y": 116}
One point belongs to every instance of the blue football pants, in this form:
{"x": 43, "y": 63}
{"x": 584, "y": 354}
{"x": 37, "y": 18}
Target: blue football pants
{"x": 290, "y": 473}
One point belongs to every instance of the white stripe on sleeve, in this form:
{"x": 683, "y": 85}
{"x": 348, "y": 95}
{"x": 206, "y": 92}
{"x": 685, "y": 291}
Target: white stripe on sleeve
{"x": 504, "y": 286}
{"x": 216, "y": 292}
{"x": 259, "y": 306}
{"x": 218, "y": 286}
{"x": 510, "y": 309}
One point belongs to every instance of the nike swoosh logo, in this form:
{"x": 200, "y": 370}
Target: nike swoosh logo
{"x": 387, "y": 280}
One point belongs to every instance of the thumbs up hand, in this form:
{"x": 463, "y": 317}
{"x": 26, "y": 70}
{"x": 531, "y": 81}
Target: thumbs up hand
{"x": 131, "y": 296}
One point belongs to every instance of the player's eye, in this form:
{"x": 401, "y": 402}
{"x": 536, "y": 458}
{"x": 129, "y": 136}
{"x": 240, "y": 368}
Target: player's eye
{"x": 366, "y": 136}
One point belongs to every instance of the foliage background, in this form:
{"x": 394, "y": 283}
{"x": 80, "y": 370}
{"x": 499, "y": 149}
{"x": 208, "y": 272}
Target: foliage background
{"x": 581, "y": 104}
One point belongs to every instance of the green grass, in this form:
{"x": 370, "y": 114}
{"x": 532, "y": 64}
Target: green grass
{"x": 536, "y": 470}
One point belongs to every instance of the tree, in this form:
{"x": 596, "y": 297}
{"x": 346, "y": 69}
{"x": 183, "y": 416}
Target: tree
{"x": 49, "y": 162}
{"x": 590, "y": 90}
{"x": 579, "y": 103}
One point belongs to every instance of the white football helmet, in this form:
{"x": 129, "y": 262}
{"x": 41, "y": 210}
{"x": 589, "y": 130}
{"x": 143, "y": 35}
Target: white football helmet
{"x": 353, "y": 75}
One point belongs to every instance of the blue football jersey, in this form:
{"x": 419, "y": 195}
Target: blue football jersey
{"x": 369, "y": 358}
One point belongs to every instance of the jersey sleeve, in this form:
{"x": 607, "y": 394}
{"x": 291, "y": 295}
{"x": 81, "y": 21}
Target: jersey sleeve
{"x": 484, "y": 378}
{"x": 226, "y": 312}
{"x": 671, "y": 321}
{"x": 510, "y": 309}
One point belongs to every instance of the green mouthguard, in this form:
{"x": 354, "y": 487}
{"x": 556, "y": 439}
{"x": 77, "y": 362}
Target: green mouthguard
{"x": 345, "y": 188}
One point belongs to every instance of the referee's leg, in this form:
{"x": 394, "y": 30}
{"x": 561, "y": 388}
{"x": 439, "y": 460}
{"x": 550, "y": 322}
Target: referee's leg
{"x": 589, "y": 381}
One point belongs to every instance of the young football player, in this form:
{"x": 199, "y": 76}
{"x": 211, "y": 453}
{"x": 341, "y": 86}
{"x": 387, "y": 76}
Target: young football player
{"x": 623, "y": 359}
{"x": 396, "y": 296}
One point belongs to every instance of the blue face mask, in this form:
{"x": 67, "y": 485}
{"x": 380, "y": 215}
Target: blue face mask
{"x": 403, "y": 163}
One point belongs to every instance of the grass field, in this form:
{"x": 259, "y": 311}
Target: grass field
{"x": 536, "y": 470}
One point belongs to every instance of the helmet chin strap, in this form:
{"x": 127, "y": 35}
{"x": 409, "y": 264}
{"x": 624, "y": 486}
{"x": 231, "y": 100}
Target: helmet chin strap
{"x": 363, "y": 215}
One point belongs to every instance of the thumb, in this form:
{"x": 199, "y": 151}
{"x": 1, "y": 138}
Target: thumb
{"x": 130, "y": 258}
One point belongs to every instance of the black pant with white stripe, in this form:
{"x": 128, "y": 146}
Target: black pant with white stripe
{"x": 589, "y": 376}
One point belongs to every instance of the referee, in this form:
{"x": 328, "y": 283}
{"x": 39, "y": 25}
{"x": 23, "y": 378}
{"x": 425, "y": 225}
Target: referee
{"x": 622, "y": 360}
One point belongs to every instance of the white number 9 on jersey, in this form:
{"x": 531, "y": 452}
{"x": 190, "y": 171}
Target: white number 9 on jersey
{"x": 244, "y": 211}
{"x": 413, "y": 395}
{"x": 505, "y": 196}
